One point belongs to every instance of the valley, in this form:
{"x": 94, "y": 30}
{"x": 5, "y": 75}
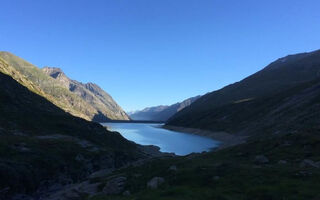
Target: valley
{"x": 263, "y": 129}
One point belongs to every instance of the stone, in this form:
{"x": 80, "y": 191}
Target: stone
{"x": 173, "y": 168}
{"x": 261, "y": 159}
{"x": 126, "y": 193}
{"x": 216, "y": 178}
{"x": 155, "y": 182}
{"x": 309, "y": 163}
{"x": 282, "y": 162}
{"x": 115, "y": 185}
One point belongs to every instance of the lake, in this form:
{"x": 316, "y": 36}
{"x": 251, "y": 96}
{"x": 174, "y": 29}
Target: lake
{"x": 168, "y": 141}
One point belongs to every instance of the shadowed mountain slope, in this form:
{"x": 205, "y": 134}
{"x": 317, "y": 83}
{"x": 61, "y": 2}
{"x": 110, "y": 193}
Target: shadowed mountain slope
{"x": 238, "y": 107}
{"x": 41, "y": 145}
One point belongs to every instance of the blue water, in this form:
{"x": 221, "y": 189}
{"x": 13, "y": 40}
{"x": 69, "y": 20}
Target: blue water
{"x": 168, "y": 141}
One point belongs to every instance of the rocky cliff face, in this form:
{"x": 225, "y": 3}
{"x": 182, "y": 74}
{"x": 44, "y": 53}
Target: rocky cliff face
{"x": 162, "y": 113}
{"x": 70, "y": 95}
{"x": 92, "y": 94}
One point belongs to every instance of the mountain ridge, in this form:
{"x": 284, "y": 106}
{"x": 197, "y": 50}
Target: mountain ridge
{"x": 91, "y": 93}
{"x": 161, "y": 112}
{"x": 58, "y": 90}
{"x": 278, "y": 76}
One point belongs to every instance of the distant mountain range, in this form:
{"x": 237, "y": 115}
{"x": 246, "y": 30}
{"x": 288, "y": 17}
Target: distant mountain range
{"x": 161, "y": 113}
{"x": 282, "y": 96}
{"x": 87, "y": 101}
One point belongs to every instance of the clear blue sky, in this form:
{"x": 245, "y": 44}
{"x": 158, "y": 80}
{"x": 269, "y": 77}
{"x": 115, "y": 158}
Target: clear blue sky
{"x": 151, "y": 52}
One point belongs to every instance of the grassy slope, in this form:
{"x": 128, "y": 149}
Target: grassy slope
{"x": 233, "y": 174}
{"x": 26, "y": 160}
{"x": 61, "y": 96}
{"x": 280, "y": 75}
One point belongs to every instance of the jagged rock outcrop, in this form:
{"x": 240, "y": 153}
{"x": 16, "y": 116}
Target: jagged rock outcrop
{"x": 92, "y": 94}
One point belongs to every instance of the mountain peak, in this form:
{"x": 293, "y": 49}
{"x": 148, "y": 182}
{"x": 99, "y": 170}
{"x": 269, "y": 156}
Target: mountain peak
{"x": 52, "y": 70}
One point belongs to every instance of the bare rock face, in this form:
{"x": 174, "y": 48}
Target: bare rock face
{"x": 105, "y": 107}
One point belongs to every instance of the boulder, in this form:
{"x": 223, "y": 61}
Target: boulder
{"x": 261, "y": 159}
{"x": 115, "y": 185}
{"x": 173, "y": 168}
{"x": 282, "y": 162}
{"x": 126, "y": 193}
{"x": 155, "y": 182}
{"x": 216, "y": 178}
{"x": 309, "y": 163}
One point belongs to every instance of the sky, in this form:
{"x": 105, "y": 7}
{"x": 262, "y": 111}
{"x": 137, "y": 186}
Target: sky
{"x": 158, "y": 52}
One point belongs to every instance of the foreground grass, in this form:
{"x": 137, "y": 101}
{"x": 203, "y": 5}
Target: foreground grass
{"x": 232, "y": 173}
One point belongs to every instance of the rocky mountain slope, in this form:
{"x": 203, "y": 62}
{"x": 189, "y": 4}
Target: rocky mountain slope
{"x": 161, "y": 113}
{"x": 60, "y": 94}
{"x": 255, "y": 103}
{"x": 92, "y": 94}
{"x": 43, "y": 148}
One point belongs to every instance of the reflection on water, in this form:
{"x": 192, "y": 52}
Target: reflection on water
{"x": 168, "y": 141}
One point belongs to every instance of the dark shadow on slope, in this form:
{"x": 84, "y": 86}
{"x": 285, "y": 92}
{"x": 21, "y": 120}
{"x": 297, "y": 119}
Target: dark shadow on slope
{"x": 100, "y": 118}
{"x": 41, "y": 145}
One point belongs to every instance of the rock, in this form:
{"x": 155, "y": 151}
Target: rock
{"x": 216, "y": 178}
{"x": 21, "y": 147}
{"x": 282, "y": 162}
{"x": 309, "y": 163}
{"x": 89, "y": 188}
{"x": 155, "y": 182}
{"x": 80, "y": 158}
{"x": 137, "y": 175}
{"x": 100, "y": 173}
{"x": 21, "y": 197}
{"x": 173, "y": 168}
{"x": 261, "y": 159}
{"x": 126, "y": 193}
{"x": 115, "y": 185}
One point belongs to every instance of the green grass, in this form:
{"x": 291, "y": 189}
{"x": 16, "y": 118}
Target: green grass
{"x": 239, "y": 176}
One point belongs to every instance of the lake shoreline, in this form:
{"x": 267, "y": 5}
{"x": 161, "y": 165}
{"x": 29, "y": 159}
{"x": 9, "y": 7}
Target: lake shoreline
{"x": 226, "y": 139}
{"x": 179, "y": 143}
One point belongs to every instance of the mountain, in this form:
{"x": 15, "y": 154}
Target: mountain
{"x": 279, "y": 158}
{"x": 92, "y": 94}
{"x": 43, "y": 148}
{"x": 80, "y": 102}
{"x": 280, "y": 161}
{"x": 161, "y": 113}
{"x": 254, "y": 103}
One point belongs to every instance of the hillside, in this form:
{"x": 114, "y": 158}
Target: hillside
{"x": 279, "y": 160}
{"x": 42, "y": 146}
{"x": 161, "y": 113}
{"x": 92, "y": 94}
{"x": 251, "y": 104}
{"x": 282, "y": 165}
{"x": 60, "y": 94}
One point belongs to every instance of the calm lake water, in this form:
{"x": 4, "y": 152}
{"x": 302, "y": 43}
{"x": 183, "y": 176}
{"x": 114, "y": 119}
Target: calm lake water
{"x": 168, "y": 141}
